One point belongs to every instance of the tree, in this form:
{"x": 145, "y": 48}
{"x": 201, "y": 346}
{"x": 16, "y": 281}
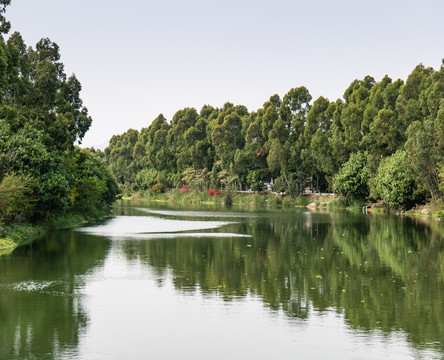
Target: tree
{"x": 227, "y": 138}
{"x": 294, "y": 108}
{"x": 42, "y": 172}
{"x": 4, "y": 25}
{"x": 421, "y": 149}
{"x": 352, "y": 180}
{"x": 394, "y": 183}
{"x": 16, "y": 199}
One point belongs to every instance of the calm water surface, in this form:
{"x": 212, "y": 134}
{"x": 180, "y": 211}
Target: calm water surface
{"x": 158, "y": 282}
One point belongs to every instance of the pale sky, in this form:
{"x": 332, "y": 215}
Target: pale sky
{"x": 137, "y": 59}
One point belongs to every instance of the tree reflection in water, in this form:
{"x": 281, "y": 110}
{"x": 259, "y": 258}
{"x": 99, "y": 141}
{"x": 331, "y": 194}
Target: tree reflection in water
{"x": 41, "y": 311}
{"x": 382, "y": 273}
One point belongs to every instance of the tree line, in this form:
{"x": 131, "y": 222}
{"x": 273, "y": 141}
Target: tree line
{"x": 42, "y": 118}
{"x": 382, "y": 141}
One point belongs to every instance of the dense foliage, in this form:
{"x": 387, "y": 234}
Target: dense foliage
{"x": 42, "y": 117}
{"x": 291, "y": 143}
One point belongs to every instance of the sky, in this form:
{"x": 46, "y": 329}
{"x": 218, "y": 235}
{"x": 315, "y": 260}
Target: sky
{"x": 136, "y": 59}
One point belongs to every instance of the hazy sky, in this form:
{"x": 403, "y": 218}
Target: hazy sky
{"x": 136, "y": 59}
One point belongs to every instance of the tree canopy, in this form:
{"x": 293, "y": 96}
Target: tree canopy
{"x": 347, "y": 146}
{"x": 43, "y": 172}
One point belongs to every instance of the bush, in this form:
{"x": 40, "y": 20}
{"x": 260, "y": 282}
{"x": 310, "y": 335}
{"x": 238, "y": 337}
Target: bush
{"x": 441, "y": 181}
{"x": 15, "y": 197}
{"x": 352, "y": 180}
{"x": 287, "y": 202}
{"x": 274, "y": 201}
{"x": 162, "y": 182}
{"x": 302, "y": 201}
{"x": 145, "y": 179}
{"x": 394, "y": 183}
{"x": 258, "y": 200}
{"x": 227, "y": 198}
{"x": 337, "y": 204}
{"x": 92, "y": 185}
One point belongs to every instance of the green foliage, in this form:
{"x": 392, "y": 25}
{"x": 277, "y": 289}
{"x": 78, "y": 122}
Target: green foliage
{"x": 227, "y": 198}
{"x": 257, "y": 179}
{"x": 394, "y": 183}
{"x": 337, "y": 204}
{"x": 302, "y": 201}
{"x": 288, "y": 202}
{"x": 274, "y": 200}
{"x": 423, "y": 157}
{"x": 15, "y": 197}
{"x": 290, "y": 143}
{"x": 197, "y": 179}
{"x": 145, "y": 179}
{"x": 91, "y": 185}
{"x": 441, "y": 182}
{"x": 352, "y": 180}
{"x": 42, "y": 117}
{"x": 259, "y": 200}
{"x": 4, "y": 25}
{"x": 6, "y": 244}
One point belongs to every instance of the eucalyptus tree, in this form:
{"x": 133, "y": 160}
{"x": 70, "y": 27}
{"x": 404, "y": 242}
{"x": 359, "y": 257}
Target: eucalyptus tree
{"x": 4, "y": 24}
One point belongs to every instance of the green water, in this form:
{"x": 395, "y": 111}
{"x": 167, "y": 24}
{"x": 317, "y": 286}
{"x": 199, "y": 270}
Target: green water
{"x": 166, "y": 283}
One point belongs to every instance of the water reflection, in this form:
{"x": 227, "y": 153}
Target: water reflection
{"x": 41, "y": 312}
{"x": 370, "y": 279}
{"x": 124, "y": 226}
{"x": 381, "y": 273}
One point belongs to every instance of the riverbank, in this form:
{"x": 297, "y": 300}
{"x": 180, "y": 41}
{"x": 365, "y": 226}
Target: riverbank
{"x": 435, "y": 211}
{"x": 307, "y": 200}
{"x": 12, "y": 236}
{"x": 248, "y": 199}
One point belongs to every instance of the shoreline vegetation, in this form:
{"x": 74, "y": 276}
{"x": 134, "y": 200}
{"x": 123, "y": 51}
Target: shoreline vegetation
{"x": 46, "y": 180}
{"x": 24, "y": 233}
{"x": 312, "y": 201}
{"x": 380, "y": 143}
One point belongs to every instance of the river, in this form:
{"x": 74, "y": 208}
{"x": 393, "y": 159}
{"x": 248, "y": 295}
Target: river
{"x": 164, "y": 282}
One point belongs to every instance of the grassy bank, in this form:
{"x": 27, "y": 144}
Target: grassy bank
{"x": 436, "y": 211}
{"x": 273, "y": 200}
{"x": 246, "y": 199}
{"x": 24, "y": 233}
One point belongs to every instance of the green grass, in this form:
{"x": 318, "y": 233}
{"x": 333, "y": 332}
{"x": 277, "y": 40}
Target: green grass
{"x": 337, "y": 204}
{"x": 274, "y": 201}
{"x": 301, "y": 201}
{"x": 25, "y": 233}
{"x": 238, "y": 199}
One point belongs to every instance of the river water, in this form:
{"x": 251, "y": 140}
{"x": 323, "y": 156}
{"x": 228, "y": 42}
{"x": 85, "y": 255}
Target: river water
{"x": 162, "y": 282}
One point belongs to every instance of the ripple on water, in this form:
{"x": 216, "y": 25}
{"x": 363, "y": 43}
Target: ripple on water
{"x": 33, "y": 286}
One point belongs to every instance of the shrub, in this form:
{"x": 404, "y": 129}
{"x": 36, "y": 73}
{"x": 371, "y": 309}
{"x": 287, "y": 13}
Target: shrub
{"x": 302, "y": 201}
{"x": 394, "y": 183}
{"x": 352, "y": 180}
{"x": 287, "y": 202}
{"x": 145, "y": 179}
{"x": 227, "y": 198}
{"x": 337, "y": 203}
{"x": 274, "y": 201}
{"x": 15, "y": 197}
{"x": 258, "y": 200}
